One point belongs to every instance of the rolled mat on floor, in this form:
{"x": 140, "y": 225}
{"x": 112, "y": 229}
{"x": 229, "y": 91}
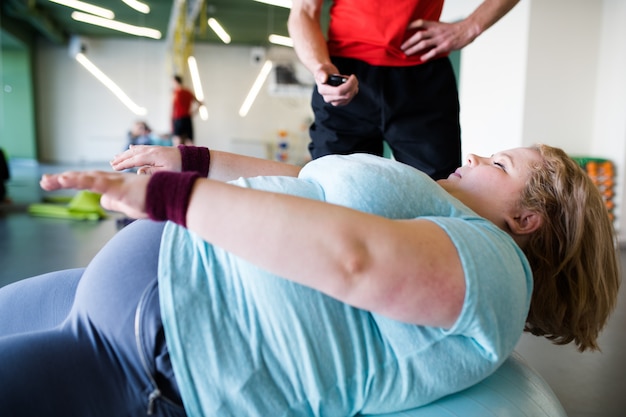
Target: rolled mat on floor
{"x": 85, "y": 205}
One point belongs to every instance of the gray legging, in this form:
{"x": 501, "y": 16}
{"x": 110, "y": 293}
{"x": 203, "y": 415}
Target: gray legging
{"x": 89, "y": 342}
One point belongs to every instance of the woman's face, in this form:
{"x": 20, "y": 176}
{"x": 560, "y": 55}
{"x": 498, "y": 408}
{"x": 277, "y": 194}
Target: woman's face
{"x": 492, "y": 186}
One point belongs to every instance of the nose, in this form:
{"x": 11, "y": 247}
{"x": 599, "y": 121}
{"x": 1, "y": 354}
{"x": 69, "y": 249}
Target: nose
{"x": 472, "y": 159}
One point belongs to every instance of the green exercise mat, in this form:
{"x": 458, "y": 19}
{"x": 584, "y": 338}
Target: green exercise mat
{"x": 85, "y": 205}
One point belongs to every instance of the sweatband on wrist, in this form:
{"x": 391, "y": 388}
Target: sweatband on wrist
{"x": 195, "y": 158}
{"x": 167, "y": 196}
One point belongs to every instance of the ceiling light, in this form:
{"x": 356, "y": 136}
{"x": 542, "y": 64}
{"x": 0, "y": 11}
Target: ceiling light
{"x": 108, "y": 83}
{"x": 115, "y": 25}
{"x": 204, "y": 112}
{"x": 137, "y": 5}
{"x": 256, "y": 87}
{"x": 86, "y": 7}
{"x": 281, "y": 40}
{"x": 197, "y": 86}
{"x": 279, "y": 3}
{"x": 219, "y": 30}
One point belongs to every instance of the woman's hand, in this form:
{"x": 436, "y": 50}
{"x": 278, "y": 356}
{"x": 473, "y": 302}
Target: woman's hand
{"x": 124, "y": 193}
{"x": 148, "y": 159}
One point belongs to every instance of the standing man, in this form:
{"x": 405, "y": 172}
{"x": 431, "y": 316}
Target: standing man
{"x": 399, "y": 85}
{"x": 184, "y": 105}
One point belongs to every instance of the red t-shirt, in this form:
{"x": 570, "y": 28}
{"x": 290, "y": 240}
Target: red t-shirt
{"x": 373, "y": 30}
{"x": 182, "y": 103}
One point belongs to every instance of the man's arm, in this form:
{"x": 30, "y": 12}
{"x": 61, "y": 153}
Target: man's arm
{"x": 310, "y": 46}
{"x": 437, "y": 38}
{"x": 488, "y": 13}
{"x": 309, "y": 41}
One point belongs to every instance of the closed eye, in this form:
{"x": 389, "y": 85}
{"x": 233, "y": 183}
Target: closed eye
{"x": 500, "y": 165}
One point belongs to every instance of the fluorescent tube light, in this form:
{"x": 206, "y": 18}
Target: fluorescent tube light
{"x": 86, "y": 7}
{"x": 197, "y": 86}
{"x": 204, "y": 112}
{"x": 219, "y": 30}
{"x": 137, "y": 5}
{"x": 108, "y": 83}
{"x": 281, "y": 40}
{"x": 115, "y": 25}
{"x": 256, "y": 87}
{"x": 280, "y": 3}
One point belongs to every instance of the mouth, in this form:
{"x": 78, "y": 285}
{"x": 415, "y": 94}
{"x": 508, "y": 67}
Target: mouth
{"x": 457, "y": 173}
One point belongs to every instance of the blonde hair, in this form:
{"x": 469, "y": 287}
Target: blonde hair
{"x": 573, "y": 255}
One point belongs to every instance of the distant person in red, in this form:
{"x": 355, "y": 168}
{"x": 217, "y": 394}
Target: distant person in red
{"x": 185, "y": 104}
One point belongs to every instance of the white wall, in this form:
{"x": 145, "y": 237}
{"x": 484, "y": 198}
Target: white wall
{"x": 561, "y": 73}
{"x": 228, "y": 73}
{"x": 609, "y": 131}
{"x": 80, "y": 120}
{"x": 492, "y": 85}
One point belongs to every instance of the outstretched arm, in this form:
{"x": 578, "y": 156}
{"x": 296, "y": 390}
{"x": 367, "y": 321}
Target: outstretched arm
{"x": 437, "y": 38}
{"x": 408, "y": 270}
{"x": 224, "y": 166}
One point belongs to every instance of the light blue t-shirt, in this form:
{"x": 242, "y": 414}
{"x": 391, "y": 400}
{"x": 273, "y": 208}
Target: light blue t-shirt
{"x": 244, "y": 342}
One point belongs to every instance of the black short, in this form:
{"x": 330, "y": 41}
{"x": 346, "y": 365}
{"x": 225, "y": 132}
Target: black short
{"x": 414, "y": 109}
{"x": 183, "y": 128}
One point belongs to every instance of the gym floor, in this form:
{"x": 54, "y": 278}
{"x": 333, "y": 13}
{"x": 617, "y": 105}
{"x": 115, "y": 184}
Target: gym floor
{"x": 588, "y": 384}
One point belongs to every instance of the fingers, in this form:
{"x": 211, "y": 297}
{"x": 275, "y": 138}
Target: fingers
{"x": 416, "y": 24}
{"x": 134, "y": 209}
{"x": 321, "y": 74}
{"x": 120, "y": 192}
{"x": 418, "y": 43}
{"x": 145, "y": 170}
{"x": 429, "y": 55}
{"x": 337, "y": 95}
{"x": 96, "y": 181}
{"x": 154, "y": 158}
{"x": 133, "y": 157}
{"x": 433, "y": 39}
{"x": 51, "y": 182}
{"x": 429, "y": 40}
{"x": 342, "y": 94}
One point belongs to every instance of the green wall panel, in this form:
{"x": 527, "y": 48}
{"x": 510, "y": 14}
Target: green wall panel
{"x": 17, "y": 105}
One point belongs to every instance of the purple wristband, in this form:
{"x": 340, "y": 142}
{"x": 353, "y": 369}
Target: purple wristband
{"x": 168, "y": 195}
{"x": 195, "y": 158}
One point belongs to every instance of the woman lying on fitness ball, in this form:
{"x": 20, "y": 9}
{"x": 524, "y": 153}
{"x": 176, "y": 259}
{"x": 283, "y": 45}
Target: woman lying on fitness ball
{"x": 354, "y": 285}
